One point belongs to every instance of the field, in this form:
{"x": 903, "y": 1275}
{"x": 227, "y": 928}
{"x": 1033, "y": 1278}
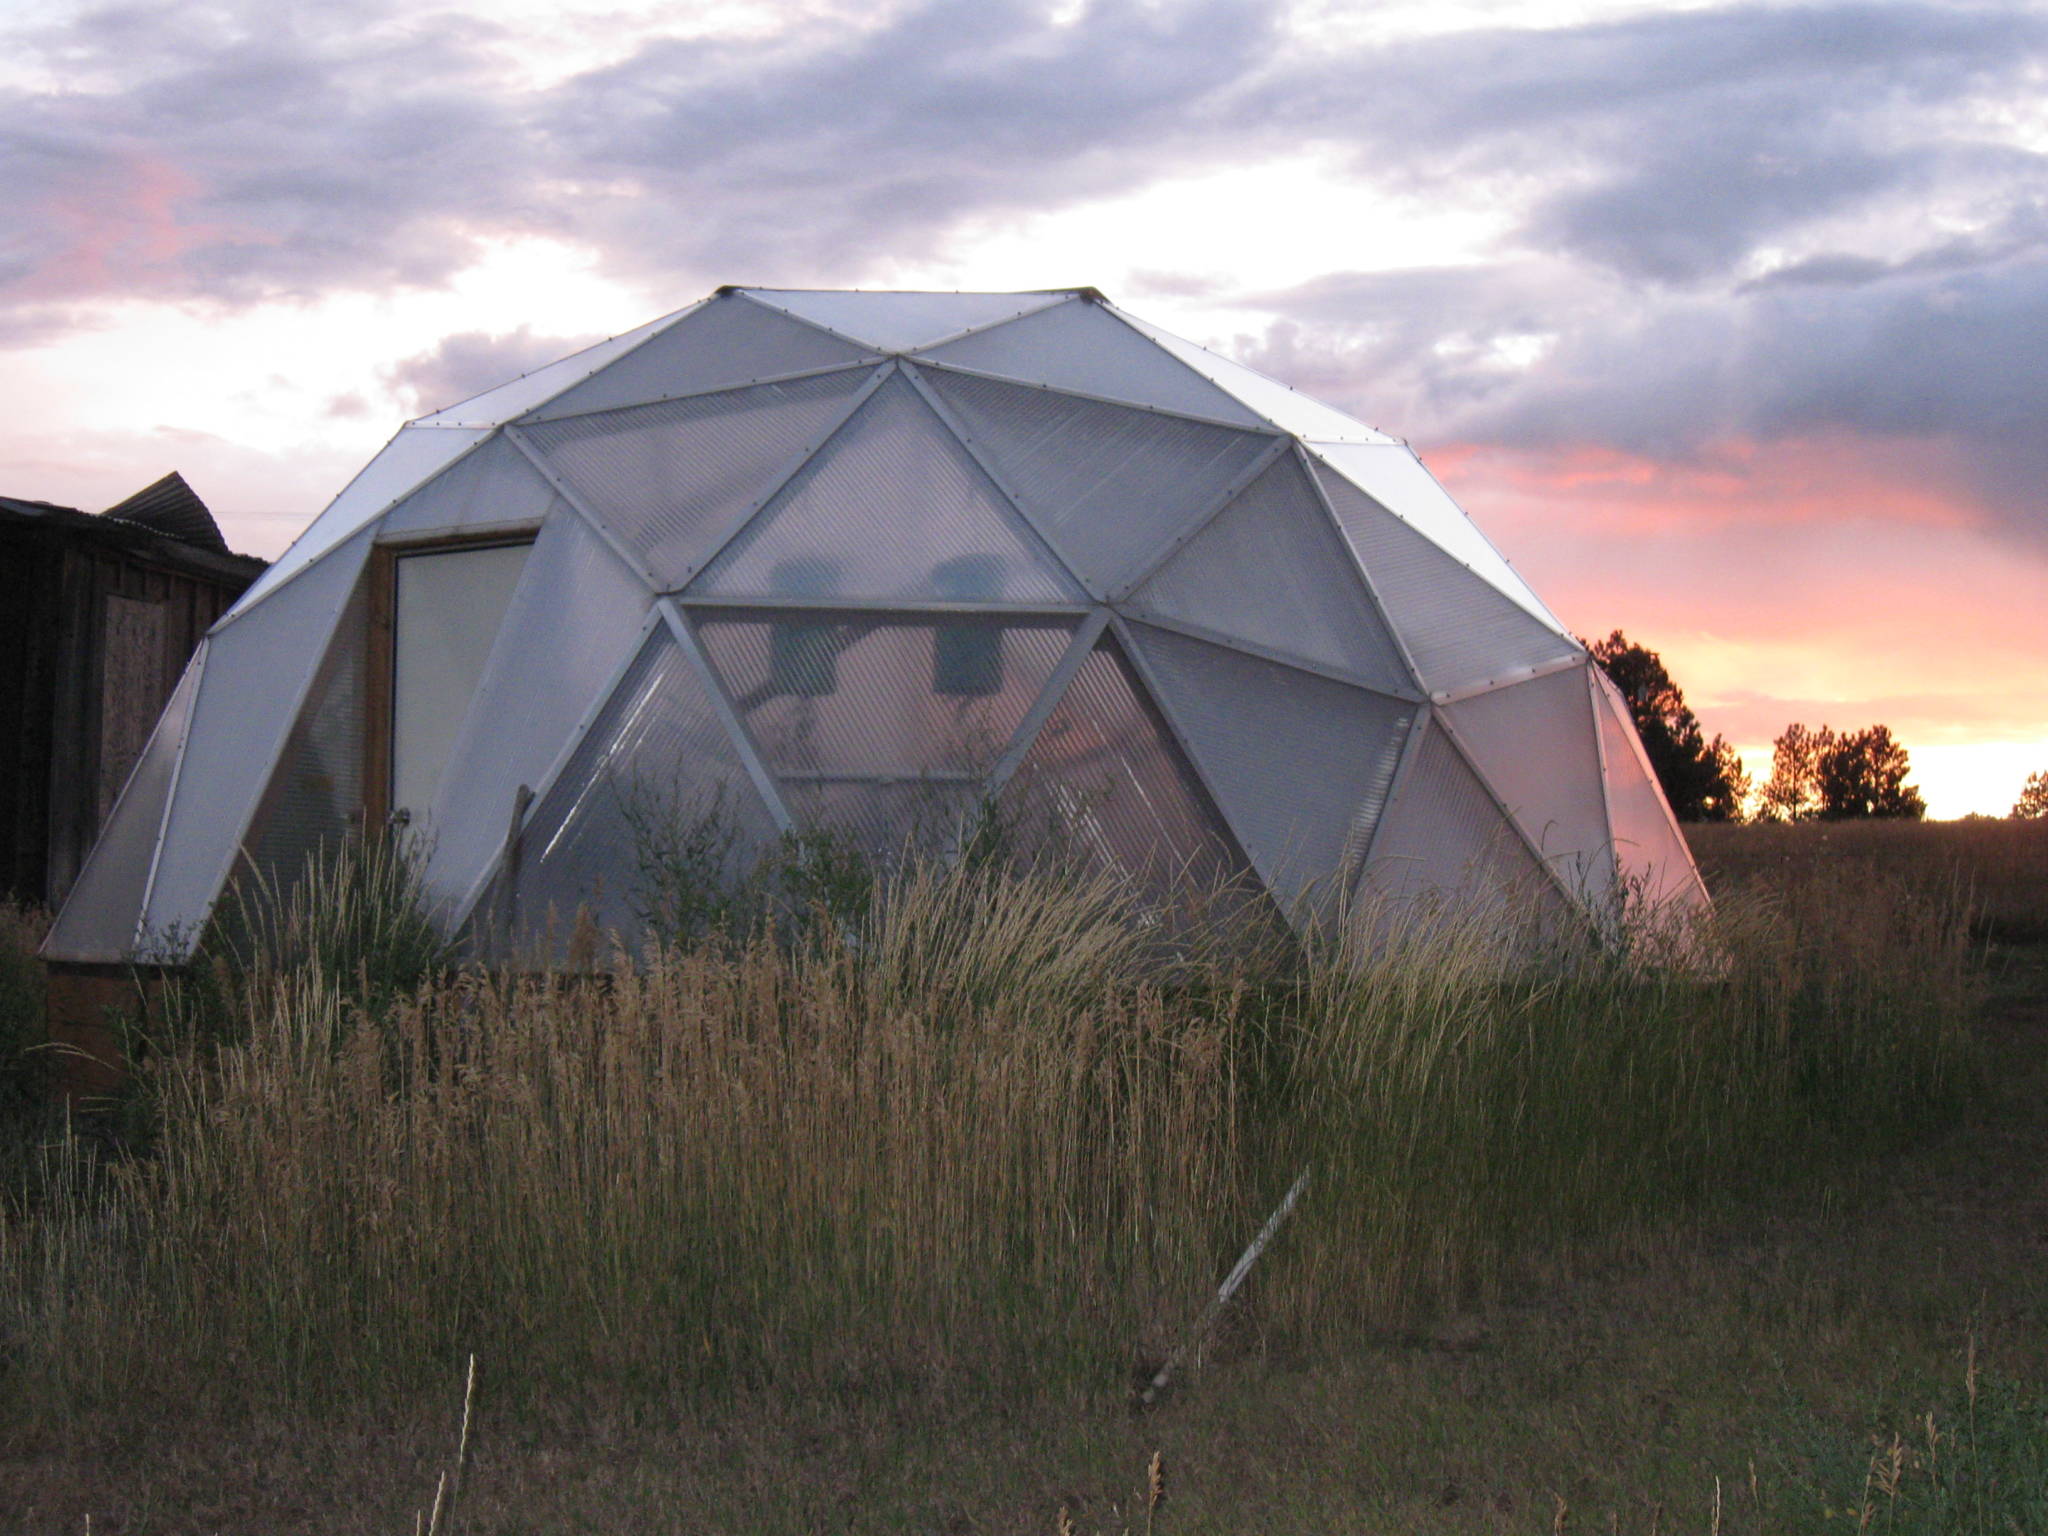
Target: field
{"x": 878, "y": 1235}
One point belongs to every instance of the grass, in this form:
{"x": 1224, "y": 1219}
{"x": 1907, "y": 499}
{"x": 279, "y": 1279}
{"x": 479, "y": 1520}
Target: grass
{"x": 873, "y": 1231}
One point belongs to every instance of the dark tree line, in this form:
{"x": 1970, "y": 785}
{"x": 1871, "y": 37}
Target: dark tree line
{"x": 1815, "y": 774}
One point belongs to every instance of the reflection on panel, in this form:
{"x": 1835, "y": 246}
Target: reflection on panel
{"x": 881, "y": 697}
{"x": 1654, "y": 862}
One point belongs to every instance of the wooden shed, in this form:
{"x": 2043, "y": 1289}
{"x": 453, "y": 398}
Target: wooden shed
{"x": 99, "y": 613}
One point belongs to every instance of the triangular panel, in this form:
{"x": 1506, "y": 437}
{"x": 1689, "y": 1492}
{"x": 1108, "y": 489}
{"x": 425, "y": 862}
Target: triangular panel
{"x": 1286, "y": 408}
{"x": 1443, "y": 837}
{"x": 893, "y": 508}
{"x": 515, "y": 397}
{"x": 829, "y": 697}
{"x": 1461, "y": 630}
{"x": 415, "y": 455}
{"x": 725, "y": 343}
{"x": 1079, "y": 345}
{"x": 1533, "y": 744}
{"x": 104, "y": 907}
{"x": 671, "y": 481}
{"x": 1651, "y": 854}
{"x": 1392, "y": 476}
{"x": 1300, "y": 765}
{"x": 1270, "y": 569}
{"x": 886, "y": 821}
{"x": 901, "y": 322}
{"x": 494, "y": 486}
{"x": 1105, "y": 785}
{"x": 1105, "y": 484}
{"x": 257, "y": 670}
{"x": 570, "y": 622}
{"x": 654, "y": 800}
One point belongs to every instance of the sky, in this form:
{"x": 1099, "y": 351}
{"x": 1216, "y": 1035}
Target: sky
{"x": 1728, "y": 323}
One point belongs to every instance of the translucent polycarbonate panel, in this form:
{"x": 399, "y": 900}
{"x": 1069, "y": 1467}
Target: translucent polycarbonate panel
{"x": 1533, "y": 745}
{"x": 899, "y": 322}
{"x": 446, "y": 607}
{"x": 415, "y": 455}
{"x": 572, "y": 618}
{"x": 724, "y": 343}
{"x": 513, "y": 399}
{"x": 494, "y": 486}
{"x": 671, "y": 481}
{"x": 1461, "y": 630}
{"x": 1286, "y": 408}
{"x": 99, "y": 918}
{"x": 1653, "y": 861}
{"x": 1270, "y": 569}
{"x": 653, "y": 804}
{"x": 257, "y": 669}
{"x": 900, "y": 510}
{"x": 315, "y": 798}
{"x": 881, "y": 697}
{"x": 1300, "y": 765}
{"x": 1444, "y": 836}
{"x": 1105, "y": 484}
{"x": 1392, "y": 476}
{"x": 889, "y": 821}
{"x": 1079, "y": 345}
{"x": 1104, "y": 785}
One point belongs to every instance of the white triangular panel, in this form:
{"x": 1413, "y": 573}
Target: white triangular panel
{"x": 1534, "y": 746}
{"x": 1080, "y": 346}
{"x": 896, "y": 509}
{"x": 1444, "y": 838}
{"x": 725, "y": 343}
{"x": 1654, "y": 861}
{"x": 99, "y": 918}
{"x": 257, "y": 669}
{"x": 1288, "y": 409}
{"x": 495, "y": 486}
{"x": 1299, "y": 765}
{"x": 673, "y": 480}
{"x": 414, "y": 456}
{"x": 1460, "y": 630}
{"x": 564, "y": 634}
{"x": 1105, "y": 485}
{"x": 1392, "y": 476}
{"x": 513, "y": 399}
{"x": 1271, "y": 570}
{"x": 901, "y": 322}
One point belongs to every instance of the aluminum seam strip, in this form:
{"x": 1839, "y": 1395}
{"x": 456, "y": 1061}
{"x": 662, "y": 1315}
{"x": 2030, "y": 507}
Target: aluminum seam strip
{"x": 735, "y": 728}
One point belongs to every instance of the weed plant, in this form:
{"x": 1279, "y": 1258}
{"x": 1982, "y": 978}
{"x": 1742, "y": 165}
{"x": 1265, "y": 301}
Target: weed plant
{"x": 983, "y": 1134}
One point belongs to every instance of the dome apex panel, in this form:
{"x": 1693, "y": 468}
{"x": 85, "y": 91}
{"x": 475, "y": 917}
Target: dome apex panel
{"x": 1105, "y": 485}
{"x": 724, "y": 343}
{"x": 673, "y": 481}
{"x": 1081, "y": 346}
{"x": 900, "y": 321}
{"x": 893, "y": 508}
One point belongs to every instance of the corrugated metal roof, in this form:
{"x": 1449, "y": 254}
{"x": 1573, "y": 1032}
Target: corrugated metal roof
{"x": 171, "y": 507}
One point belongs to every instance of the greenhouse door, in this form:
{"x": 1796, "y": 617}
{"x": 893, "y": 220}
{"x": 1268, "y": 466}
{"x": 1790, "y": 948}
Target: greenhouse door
{"x": 440, "y": 610}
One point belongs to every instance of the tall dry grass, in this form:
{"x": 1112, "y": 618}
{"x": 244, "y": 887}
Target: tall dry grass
{"x": 989, "y": 1137}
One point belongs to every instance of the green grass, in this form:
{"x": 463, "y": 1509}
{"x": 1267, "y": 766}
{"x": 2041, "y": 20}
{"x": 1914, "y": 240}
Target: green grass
{"x": 874, "y": 1230}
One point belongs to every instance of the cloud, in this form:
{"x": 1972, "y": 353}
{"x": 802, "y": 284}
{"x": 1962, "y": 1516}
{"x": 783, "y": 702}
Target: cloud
{"x": 468, "y": 364}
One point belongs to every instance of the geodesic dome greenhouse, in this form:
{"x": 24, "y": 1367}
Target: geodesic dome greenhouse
{"x": 886, "y": 563}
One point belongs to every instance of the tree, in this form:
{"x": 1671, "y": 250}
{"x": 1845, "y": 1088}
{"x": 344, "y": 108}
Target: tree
{"x": 1703, "y": 780}
{"x": 2032, "y": 804}
{"x": 1839, "y": 776}
{"x": 1792, "y": 793}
